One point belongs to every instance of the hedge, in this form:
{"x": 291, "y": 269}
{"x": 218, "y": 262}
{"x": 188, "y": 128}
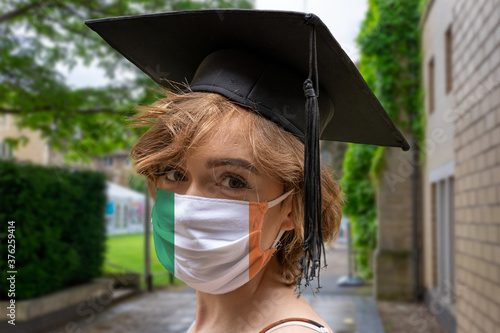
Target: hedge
{"x": 59, "y": 227}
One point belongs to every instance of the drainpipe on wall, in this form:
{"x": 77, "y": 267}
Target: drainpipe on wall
{"x": 414, "y": 189}
{"x": 415, "y": 253}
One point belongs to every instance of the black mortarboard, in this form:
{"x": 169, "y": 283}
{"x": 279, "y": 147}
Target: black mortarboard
{"x": 285, "y": 65}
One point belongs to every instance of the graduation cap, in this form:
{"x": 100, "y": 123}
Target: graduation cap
{"x": 287, "y": 66}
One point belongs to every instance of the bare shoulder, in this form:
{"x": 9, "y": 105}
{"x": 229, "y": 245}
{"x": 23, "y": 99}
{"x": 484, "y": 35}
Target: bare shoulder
{"x": 282, "y": 304}
{"x": 297, "y": 329}
{"x": 293, "y": 307}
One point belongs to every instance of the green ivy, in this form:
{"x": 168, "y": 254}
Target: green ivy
{"x": 389, "y": 42}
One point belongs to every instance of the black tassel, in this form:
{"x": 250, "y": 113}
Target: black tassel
{"x": 313, "y": 246}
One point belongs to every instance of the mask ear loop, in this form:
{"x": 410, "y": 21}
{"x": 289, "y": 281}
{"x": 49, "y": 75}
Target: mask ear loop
{"x": 279, "y": 199}
{"x": 273, "y": 203}
{"x": 277, "y": 242}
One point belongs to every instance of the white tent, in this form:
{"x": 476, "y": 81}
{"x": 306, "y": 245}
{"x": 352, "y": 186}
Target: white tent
{"x": 124, "y": 210}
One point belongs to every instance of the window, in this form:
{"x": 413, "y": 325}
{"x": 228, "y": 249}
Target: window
{"x": 445, "y": 237}
{"x": 126, "y": 216}
{"x": 107, "y": 161}
{"x": 434, "y": 233}
{"x": 5, "y": 150}
{"x": 449, "y": 60}
{"x": 3, "y": 121}
{"x": 430, "y": 73}
{"x": 118, "y": 217}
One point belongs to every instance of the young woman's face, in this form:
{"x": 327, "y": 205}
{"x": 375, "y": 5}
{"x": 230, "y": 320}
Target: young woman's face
{"x": 223, "y": 167}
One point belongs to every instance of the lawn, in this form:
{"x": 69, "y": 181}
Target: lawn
{"x": 128, "y": 251}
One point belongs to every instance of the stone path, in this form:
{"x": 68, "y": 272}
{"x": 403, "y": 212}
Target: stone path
{"x": 345, "y": 309}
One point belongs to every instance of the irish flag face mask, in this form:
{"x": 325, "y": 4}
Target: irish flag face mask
{"x": 213, "y": 245}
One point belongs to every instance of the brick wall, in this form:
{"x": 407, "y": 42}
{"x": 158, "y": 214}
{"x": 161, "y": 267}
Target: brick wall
{"x": 476, "y": 114}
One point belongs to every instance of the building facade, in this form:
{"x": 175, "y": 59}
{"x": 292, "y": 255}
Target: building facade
{"x": 124, "y": 207}
{"x": 116, "y": 165}
{"x": 461, "y": 178}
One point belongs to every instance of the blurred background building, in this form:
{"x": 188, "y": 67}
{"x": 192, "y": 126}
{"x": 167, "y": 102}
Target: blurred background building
{"x": 461, "y": 178}
{"x": 116, "y": 166}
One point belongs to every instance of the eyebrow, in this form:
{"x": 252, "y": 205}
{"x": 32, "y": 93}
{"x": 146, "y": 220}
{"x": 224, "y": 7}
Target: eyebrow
{"x": 239, "y": 162}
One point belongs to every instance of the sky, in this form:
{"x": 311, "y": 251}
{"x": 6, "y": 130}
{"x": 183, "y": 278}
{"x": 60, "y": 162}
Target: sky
{"x": 342, "y": 17}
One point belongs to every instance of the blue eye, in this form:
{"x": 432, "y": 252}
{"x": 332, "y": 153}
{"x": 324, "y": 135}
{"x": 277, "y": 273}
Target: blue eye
{"x": 175, "y": 176}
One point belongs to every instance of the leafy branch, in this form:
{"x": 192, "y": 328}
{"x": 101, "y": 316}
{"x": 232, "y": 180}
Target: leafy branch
{"x": 390, "y": 63}
{"x": 37, "y": 37}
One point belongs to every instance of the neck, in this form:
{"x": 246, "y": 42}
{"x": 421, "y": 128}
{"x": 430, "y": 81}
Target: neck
{"x": 247, "y": 308}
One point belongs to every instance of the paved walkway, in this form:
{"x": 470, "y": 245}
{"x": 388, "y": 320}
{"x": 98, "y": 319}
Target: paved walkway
{"x": 345, "y": 309}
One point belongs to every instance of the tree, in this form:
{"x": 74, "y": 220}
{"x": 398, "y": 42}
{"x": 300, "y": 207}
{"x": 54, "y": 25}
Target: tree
{"x": 389, "y": 42}
{"x": 36, "y": 36}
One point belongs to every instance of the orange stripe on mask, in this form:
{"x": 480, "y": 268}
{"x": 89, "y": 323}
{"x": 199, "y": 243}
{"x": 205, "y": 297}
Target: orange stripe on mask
{"x": 258, "y": 257}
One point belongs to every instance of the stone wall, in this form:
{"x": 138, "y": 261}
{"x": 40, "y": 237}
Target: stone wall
{"x": 394, "y": 277}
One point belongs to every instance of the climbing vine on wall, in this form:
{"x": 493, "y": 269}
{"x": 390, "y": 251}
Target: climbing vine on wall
{"x": 389, "y": 42}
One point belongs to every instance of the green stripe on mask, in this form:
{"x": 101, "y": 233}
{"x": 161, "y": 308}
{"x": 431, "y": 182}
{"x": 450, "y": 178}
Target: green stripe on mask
{"x": 164, "y": 234}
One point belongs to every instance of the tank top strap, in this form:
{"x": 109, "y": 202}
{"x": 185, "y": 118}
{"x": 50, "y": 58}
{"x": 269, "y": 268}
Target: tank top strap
{"x": 317, "y": 327}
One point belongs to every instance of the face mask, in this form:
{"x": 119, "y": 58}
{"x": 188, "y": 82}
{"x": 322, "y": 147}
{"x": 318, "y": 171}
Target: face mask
{"x": 213, "y": 245}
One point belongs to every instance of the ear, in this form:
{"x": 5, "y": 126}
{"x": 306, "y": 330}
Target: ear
{"x": 286, "y": 210}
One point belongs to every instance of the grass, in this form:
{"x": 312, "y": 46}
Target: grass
{"x": 128, "y": 251}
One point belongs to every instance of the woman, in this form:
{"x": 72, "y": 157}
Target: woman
{"x": 248, "y": 159}
{"x": 242, "y": 205}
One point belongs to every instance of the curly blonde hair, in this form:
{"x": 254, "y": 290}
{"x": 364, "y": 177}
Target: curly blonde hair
{"x": 179, "y": 121}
